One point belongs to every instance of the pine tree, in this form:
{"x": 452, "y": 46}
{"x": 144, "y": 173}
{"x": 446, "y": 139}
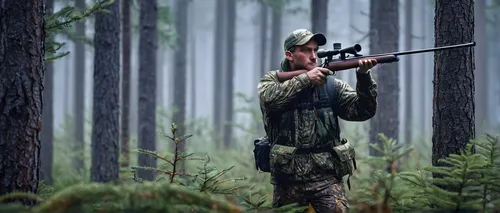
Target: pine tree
{"x": 469, "y": 181}
{"x": 21, "y": 84}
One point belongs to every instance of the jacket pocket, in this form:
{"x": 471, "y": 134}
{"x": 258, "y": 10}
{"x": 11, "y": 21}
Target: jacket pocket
{"x": 345, "y": 162}
{"x": 281, "y": 159}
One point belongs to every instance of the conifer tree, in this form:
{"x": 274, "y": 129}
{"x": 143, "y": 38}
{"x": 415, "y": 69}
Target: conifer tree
{"x": 453, "y": 107}
{"x": 106, "y": 110}
{"x": 148, "y": 41}
{"x": 21, "y": 84}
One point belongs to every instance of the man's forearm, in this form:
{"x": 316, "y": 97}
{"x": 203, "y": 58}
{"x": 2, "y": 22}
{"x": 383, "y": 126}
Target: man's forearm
{"x": 365, "y": 84}
{"x": 275, "y": 95}
{"x": 358, "y": 104}
{"x": 284, "y": 76}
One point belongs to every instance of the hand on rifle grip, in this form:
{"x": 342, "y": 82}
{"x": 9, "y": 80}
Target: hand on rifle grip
{"x": 366, "y": 64}
{"x": 318, "y": 75}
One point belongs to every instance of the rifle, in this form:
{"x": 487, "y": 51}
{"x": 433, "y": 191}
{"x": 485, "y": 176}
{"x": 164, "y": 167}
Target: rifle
{"x": 345, "y": 61}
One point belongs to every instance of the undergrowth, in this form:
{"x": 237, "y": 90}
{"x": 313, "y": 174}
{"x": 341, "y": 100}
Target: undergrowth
{"x": 471, "y": 182}
{"x": 225, "y": 180}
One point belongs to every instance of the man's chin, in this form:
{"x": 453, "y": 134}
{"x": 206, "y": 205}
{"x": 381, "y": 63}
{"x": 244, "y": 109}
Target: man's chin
{"x": 310, "y": 67}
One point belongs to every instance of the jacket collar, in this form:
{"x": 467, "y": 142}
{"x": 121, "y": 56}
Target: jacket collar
{"x": 285, "y": 65}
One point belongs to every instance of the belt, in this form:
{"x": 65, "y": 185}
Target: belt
{"x": 313, "y": 150}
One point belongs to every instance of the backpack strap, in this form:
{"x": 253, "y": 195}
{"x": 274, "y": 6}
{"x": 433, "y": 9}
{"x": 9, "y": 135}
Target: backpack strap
{"x": 331, "y": 90}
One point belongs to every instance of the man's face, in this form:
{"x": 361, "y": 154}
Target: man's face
{"x": 304, "y": 56}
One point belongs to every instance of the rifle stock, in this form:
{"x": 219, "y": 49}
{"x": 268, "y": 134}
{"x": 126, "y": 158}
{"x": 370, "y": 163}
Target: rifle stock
{"x": 345, "y": 62}
{"x": 339, "y": 65}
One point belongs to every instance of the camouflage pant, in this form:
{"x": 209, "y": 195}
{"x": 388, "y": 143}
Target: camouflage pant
{"x": 323, "y": 197}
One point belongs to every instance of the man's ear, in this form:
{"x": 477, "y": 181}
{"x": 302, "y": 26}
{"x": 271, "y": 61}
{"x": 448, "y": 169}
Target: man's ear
{"x": 288, "y": 55}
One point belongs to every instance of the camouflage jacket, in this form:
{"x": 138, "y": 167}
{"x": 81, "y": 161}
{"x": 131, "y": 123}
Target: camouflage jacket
{"x": 290, "y": 125}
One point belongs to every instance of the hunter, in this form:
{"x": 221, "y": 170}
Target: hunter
{"x": 308, "y": 159}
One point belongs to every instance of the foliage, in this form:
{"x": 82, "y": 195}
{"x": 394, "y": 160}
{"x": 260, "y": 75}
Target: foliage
{"x": 395, "y": 181}
{"x": 60, "y": 21}
{"x": 205, "y": 191}
{"x": 468, "y": 182}
{"x": 208, "y": 178}
{"x": 144, "y": 197}
{"x": 387, "y": 189}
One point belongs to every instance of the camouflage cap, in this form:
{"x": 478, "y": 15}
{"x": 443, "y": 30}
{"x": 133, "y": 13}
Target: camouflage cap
{"x": 302, "y": 36}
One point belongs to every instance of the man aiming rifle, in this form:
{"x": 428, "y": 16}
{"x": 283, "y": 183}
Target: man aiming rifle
{"x": 301, "y": 104}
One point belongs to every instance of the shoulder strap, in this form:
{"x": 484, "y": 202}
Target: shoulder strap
{"x": 331, "y": 90}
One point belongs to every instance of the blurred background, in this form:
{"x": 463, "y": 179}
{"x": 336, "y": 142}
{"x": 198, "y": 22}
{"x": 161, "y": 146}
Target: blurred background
{"x": 210, "y": 60}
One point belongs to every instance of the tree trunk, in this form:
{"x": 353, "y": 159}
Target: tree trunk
{"x": 148, "y": 41}
{"x": 218, "y": 66}
{"x": 384, "y": 37}
{"x": 423, "y": 95}
{"x": 21, "y": 86}
{"x": 453, "y": 106}
{"x": 276, "y": 42}
{"x": 67, "y": 89}
{"x": 319, "y": 16}
{"x": 126, "y": 60}
{"x": 180, "y": 67}
{"x": 192, "y": 55}
{"x": 106, "y": 109}
{"x": 496, "y": 52}
{"x": 264, "y": 19}
{"x": 481, "y": 84}
{"x": 79, "y": 93}
{"x": 228, "y": 92}
{"x": 47, "y": 132}
{"x": 160, "y": 76}
{"x": 408, "y": 72}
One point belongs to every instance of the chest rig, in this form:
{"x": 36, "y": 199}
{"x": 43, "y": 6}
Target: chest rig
{"x": 321, "y": 101}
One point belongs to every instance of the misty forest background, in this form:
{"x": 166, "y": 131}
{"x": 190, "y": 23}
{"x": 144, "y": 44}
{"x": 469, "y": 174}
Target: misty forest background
{"x": 186, "y": 79}
{"x": 196, "y": 63}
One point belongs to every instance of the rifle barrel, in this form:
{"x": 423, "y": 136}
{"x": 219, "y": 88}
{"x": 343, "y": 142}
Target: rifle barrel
{"x": 428, "y": 49}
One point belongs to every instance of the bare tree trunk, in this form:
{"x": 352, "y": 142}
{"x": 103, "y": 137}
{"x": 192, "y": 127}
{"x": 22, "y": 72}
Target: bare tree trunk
{"x": 453, "y": 108}
{"x": 408, "y": 72}
{"x": 228, "y": 92}
{"x": 126, "y": 60}
{"x": 180, "y": 67}
{"x": 219, "y": 57}
{"x": 496, "y": 52}
{"x": 319, "y": 16}
{"x": 276, "y": 43}
{"x": 423, "y": 95}
{"x": 106, "y": 110}
{"x": 148, "y": 40}
{"x": 160, "y": 76}
{"x": 481, "y": 61}
{"x": 384, "y": 29}
{"x": 264, "y": 19}
{"x": 192, "y": 51}
{"x": 47, "y": 132}
{"x": 21, "y": 86}
{"x": 67, "y": 98}
{"x": 429, "y": 66}
{"x": 79, "y": 93}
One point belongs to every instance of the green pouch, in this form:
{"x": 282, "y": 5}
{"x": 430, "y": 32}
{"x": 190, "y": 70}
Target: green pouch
{"x": 345, "y": 162}
{"x": 281, "y": 158}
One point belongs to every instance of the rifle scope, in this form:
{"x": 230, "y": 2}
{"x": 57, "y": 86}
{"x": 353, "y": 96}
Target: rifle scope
{"x": 354, "y": 49}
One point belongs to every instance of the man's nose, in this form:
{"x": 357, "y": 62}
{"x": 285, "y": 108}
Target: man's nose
{"x": 314, "y": 56}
